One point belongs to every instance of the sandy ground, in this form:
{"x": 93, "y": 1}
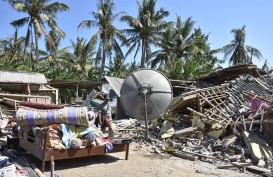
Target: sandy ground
{"x": 141, "y": 163}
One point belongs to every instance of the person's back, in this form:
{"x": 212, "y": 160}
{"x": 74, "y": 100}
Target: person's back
{"x": 105, "y": 110}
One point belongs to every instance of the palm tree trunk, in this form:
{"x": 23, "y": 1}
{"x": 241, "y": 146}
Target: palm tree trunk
{"x": 36, "y": 50}
{"x": 102, "y": 63}
{"x": 143, "y": 55}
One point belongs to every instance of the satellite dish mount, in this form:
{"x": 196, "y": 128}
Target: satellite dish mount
{"x": 145, "y": 90}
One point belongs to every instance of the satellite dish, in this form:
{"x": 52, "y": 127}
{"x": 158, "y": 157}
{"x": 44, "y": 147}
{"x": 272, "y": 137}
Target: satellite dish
{"x": 146, "y": 94}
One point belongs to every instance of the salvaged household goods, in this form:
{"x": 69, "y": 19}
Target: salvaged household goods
{"x": 53, "y": 132}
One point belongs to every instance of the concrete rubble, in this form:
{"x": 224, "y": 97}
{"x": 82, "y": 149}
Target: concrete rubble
{"x": 227, "y": 123}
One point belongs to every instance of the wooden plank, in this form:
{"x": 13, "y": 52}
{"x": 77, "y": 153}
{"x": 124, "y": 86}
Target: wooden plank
{"x": 26, "y": 96}
{"x": 259, "y": 169}
{"x": 185, "y": 156}
{"x": 234, "y": 164}
{"x": 30, "y": 147}
{"x": 201, "y": 155}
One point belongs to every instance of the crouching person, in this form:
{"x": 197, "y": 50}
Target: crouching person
{"x": 104, "y": 123}
{"x": 104, "y": 118}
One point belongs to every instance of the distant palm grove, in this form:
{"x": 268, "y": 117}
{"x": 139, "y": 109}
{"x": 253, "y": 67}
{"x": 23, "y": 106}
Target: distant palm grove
{"x": 176, "y": 48}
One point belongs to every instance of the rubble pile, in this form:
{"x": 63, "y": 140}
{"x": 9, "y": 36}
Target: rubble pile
{"x": 228, "y": 124}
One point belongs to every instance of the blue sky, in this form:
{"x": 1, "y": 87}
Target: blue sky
{"x": 215, "y": 17}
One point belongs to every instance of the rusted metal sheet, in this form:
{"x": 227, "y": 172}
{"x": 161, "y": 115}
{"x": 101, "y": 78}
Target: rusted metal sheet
{"x": 22, "y": 77}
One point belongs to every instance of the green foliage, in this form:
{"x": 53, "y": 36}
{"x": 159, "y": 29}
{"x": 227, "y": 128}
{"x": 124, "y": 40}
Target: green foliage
{"x": 108, "y": 35}
{"x": 184, "y": 51}
{"x": 237, "y": 50}
{"x": 145, "y": 30}
{"x": 39, "y": 12}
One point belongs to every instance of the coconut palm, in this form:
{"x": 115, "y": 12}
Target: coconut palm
{"x": 53, "y": 57}
{"x": 82, "y": 55}
{"x": 238, "y": 51}
{"x": 176, "y": 43}
{"x": 165, "y": 52}
{"x": 146, "y": 29}
{"x": 11, "y": 53}
{"x": 40, "y": 13}
{"x": 267, "y": 68}
{"x": 107, "y": 35}
{"x": 117, "y": 68}
{"x": 184, "y": 52}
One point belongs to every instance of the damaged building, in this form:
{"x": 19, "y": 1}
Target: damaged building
{"x": 224, "y": 117}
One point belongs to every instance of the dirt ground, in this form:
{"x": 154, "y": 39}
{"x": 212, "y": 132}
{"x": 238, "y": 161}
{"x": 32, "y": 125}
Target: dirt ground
{"x": 141, "y": 163}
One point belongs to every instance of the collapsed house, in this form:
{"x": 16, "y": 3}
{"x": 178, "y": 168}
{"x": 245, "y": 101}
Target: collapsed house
{"x": 224, "y": 116}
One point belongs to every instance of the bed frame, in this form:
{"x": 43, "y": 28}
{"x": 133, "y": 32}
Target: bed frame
{"x": 40, "y": 150}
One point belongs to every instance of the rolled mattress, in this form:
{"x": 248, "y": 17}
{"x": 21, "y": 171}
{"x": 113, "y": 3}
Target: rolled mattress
{"x": 66, "y": 115}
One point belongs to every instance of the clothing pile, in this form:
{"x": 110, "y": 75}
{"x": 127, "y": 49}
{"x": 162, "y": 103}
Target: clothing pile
{"x": 9, "y": 169}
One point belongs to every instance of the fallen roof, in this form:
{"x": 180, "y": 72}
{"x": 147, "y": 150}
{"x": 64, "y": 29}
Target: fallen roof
{"x": 115, "y": 83}
{"x": 232, "y": 72}
{"x": 22, "y": 77}
{"x": 73, "y": 84}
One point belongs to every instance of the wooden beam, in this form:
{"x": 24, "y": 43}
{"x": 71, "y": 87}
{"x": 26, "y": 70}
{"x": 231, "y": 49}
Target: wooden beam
{"x": 25, "y": 96}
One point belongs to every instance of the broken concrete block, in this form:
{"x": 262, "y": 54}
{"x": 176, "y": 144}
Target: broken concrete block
{"x": 229, "y": 140}
{"x": 166, "y": 130}
{"x": 216, "y": 133}
{"x": 185, "y": 131}
{"x": 197, "y": 122}
{"x": 261, "y": 163}
{"x": 258, "y": 147}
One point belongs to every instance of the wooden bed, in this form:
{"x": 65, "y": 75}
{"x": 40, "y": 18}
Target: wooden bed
{"x": 39, "y": 149}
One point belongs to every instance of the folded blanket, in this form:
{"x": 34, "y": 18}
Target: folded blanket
{"x": 68, "y": 115}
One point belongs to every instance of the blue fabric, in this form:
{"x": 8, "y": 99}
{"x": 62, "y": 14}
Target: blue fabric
{"x": 67, "y": 134}
{"x": 109, "y": 148}
{"x": 90, "y": 136}
{"x": 73, "y": 131}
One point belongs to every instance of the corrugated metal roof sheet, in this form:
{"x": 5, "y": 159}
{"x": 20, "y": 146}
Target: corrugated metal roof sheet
{"x": 116, "y": 83}
{"x": 22, "y": 77}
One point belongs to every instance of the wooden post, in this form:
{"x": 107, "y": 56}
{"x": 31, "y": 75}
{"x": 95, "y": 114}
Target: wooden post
{"x": 52, "y": 167}
{"x": 37, "y": 171}
{"x": 146, "y": 117}
{"x": 262, "y": 118}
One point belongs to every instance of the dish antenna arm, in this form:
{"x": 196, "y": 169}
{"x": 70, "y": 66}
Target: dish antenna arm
{"x": 145, "y": 89}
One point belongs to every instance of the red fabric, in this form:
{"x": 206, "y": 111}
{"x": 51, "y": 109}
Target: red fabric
{"x": 107, "y": 122}
{"x": 40, "y": 105}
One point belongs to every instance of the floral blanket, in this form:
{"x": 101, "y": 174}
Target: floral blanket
{"x": 67, "y": 115}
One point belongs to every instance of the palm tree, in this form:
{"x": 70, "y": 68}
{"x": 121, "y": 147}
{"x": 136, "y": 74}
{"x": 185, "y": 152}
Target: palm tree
{"x": 238, "y": 50}
{"x": 184, "y": 52}
{"x": 266, "y": 68}
{"x": 165, "y": 53}
{"x": 53, "y": 56}
{"x": 146, "y": 29}
{"x": 107, "y": 34}
{"x": 39, "y": 13}
{"x": 11, "y": 53}
{"x": 133, "y": 66}
{"x": 117, "y": 68}
{"x": 82, "y": 55}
